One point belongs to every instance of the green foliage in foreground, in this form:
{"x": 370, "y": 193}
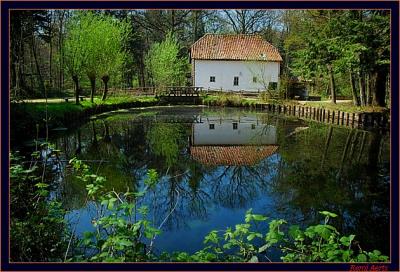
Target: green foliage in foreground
{"x": 123, "y": 232}
{"x": 37, "y": 231}
{"x": 317, "y": 243}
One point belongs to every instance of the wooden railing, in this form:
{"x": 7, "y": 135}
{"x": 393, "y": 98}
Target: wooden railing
{"x": 181, "y": 91}
{"x": 158, "y": 91}
{"x": 137, "y": 91}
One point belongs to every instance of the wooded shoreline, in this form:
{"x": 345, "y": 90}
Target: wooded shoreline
{"x": 31, "y": 122}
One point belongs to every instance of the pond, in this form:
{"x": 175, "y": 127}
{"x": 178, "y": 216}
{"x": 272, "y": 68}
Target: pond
{"x": 216, "y": 163}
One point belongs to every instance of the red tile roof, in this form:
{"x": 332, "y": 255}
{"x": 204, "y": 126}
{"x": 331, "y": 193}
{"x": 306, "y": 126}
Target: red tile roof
{"x": 234, "y": 47}
{"x": 231, "y": 155}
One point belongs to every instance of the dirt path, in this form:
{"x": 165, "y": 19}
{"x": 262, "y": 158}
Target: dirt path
{"x": 323, "y": 101}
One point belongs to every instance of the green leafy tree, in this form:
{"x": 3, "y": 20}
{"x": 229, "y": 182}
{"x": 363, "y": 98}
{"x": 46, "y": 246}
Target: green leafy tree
{"x": 342, "y": 44}
{"x": 75, "y": 51}
{"x": 320, "y": 48}
{"x": 111, "y": 49}
{"x": 94, "y": 46}
{"x": 164, "y": 63}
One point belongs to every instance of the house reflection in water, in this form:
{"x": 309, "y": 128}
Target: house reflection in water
{"x": 244, "y": 141}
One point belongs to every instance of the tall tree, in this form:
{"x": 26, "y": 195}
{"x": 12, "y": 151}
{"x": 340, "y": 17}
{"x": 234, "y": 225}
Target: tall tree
{"x": 353, "y": 44}
{"x": 245, "y": 21}
{"x": 75, "y": 51}
{"x": 165, "y": 65}
{"x": 28, "y": 31}
{"x": 112, "y": 54}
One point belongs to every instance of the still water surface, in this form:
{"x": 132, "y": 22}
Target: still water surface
{"x": 214, "y": 164}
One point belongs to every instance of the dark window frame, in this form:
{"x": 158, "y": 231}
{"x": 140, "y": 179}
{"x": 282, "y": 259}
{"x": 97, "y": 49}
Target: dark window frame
{"x": 236, "y": 81}
{"x": 212, "y": 79}
{"x": 235, "y": 126}
{"x": 211, "y": 126}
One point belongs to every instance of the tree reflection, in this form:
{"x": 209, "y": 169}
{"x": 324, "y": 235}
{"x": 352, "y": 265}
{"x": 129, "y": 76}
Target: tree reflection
{"x": 166, "y": 140}
{"x": 237, "y": 186}
{"x": 352, "y": 182}
{"x": 319, "y": 168}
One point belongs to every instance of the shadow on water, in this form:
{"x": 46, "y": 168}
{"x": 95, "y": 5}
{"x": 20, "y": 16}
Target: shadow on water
{"x": 214, "y": 164}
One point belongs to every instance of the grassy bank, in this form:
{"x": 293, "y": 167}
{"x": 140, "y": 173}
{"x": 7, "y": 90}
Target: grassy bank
{"x": 237, "y": 100}
{"x": 29, "y": 118}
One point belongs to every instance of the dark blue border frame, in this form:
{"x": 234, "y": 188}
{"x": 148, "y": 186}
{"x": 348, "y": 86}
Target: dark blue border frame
{"x": 6, "y": 6}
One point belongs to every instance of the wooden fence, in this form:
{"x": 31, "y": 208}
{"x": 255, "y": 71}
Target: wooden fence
{"x": 337, "y": 117}
{"x": 138, "y": 91}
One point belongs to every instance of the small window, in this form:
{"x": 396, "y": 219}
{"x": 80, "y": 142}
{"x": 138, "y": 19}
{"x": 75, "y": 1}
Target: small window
{"x": 253, "y": 126}
{"x": 254, "y": 79}
{"x": 235, "y": 81}
{"x": 212, "y": 126}
{"x": 212, "y": 78}
{"x": 235, "y": 125}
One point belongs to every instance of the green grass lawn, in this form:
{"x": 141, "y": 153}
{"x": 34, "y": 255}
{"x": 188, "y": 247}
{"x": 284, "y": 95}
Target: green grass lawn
{"x": 28, "y": 116}
{"x": 239, "y": 100}
{"x": 58, "y": 109}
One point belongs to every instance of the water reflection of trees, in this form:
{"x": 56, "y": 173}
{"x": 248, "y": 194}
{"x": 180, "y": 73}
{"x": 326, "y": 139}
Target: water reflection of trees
{"x": 343, "y": 171}
{"x": 130, "y": 147}
{"x": 319, "y": 168}
{"x": 200, "y": 188}
{"x": 237, "y": 186}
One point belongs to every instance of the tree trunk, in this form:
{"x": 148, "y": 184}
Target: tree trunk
{"x": 353, "y": 145}
{"x": 41, "y": 83}
{"x": 346, "y": 148}
{"x": 195, "y": 25}
{"x": 373, "y": 152}
{"x": 79, "y": 147}
{"x": 106, "y": 134}
{"x": 19, "y": 64}
{"x": 61, "y": 51}
{"x": 172, "y": 22}
{"x": 105, "y": 79}
{"x": 51, "y": 50}
{"x": 94, "y": 135}
{"x": 331, "y": 83}
{"x": 142, "y": 78}
{"x": 93, "y": 87}
{"x": 362, "y": 89}
{"x": 378, "y": 86}
{"x": 368, "y": 89}
{"x": 14, "y": 77}
{"x": 362, "y": 146}
{"x": 75, "y": 79}
{"x": 327, "y": 142}
{"x": 356, "y": 100}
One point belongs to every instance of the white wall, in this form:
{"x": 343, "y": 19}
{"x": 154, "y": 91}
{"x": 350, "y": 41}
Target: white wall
{"x": 224, "y": 72}
{"x": 248, "y": 132}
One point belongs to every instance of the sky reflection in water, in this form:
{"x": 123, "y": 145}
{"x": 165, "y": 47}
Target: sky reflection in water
{"x": 218, "y": 163}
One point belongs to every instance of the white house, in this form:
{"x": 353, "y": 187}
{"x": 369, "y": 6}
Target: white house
{"x": 233, "y": 141}
{"x": 246, "y": 130}
{"x": 234, "y": 62}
